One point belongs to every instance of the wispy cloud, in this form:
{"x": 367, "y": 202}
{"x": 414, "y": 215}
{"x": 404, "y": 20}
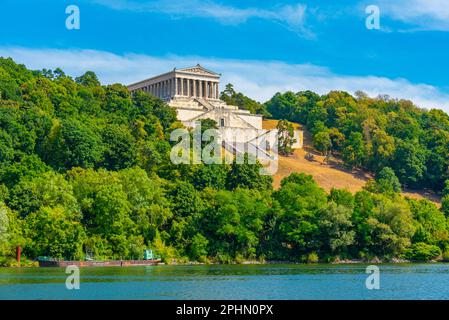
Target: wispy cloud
{"x": 257, "y": 79}
{"x": 293, "y": 17}
{"x": 418, "y": 15}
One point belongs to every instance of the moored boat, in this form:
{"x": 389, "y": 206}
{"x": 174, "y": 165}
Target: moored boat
{"x": 112, "y": 263}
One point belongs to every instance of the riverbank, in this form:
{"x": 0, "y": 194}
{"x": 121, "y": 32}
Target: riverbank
{"x": 335, "y": 262}
{"x": 174, "y": 262}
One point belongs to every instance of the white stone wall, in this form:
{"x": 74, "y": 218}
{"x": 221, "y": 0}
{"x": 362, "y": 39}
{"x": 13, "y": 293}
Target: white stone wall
{"x": 254, "y": 120}
{"x": 299, "y": 136}
{"x": 185, "y": 115}
{"x": 240, "y": 135}
{"x": 231, "y": 118}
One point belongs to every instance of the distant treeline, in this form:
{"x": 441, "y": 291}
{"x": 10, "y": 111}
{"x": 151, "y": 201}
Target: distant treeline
{"x": 85, "y": 171}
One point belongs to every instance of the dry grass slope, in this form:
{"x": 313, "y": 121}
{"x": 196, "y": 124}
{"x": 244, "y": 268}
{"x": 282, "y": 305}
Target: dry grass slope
{"x": 328, "y": 176}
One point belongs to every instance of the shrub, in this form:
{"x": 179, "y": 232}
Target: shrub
{"x": 422, "y": 252}
{"x": 313, "y": 258}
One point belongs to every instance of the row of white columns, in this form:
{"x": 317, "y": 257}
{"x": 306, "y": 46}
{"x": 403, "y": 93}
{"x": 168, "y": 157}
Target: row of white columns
{"x": 184, "y": 87}
{"x": 197, "y": 88}
{"x": 161, "y": 89}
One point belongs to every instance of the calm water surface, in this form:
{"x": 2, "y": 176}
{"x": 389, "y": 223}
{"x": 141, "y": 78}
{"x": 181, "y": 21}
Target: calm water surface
{"x": 399, "y": 281}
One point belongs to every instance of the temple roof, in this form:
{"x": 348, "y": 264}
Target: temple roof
{"x": 198, "y": 69}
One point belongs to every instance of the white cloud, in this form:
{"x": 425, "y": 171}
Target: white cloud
{"x": 290, "y": 16}
{"x": 257, "y": 79}
{"x": 420, "y": 14}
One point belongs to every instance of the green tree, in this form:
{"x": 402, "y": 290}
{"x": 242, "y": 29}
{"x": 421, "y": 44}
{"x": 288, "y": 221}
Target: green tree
{"x": 29, "y": 166}
{"x": 337, "y": 139}
{"x": 335, "y": 229}
{"x": 342, "y": 197}
{"x": 119, "y": 147}
{"x": 284, "y": 106}
{"x": 9, "y": 90}
{"x": 386, "y": 182}
{"x": 383, "y": 148}
{"x": 198, "y": 247}
{"x": 4, "y": 225}
{"x": 364, "y": 205}
{"x": 46, "y": 190}
{"x": 422, "y": 252}
{"x": 150, "y": 207}
{"x": 247, "y": 175}
{"x": 322, "y": 142}
{"x": 88, "y": 79}
{"x": 354, "y": 150}
{"x": 409, "y": 163}
{"x": 234, "y": 222}
{"x": 110, "y": 218}
{"x": 74, "y": 144}
{"x": 185, "y": 200}
{"x": 231, "y": 97}
{"x": 210, "y": 176}
{"x": 6, "y": 147}
{"x": 391, "y": 228}
{"x": 300, "y": 199}
{"x": 286, "y": 137}
{"x": 430, "y": 223}
{"x": 51, "y": 232}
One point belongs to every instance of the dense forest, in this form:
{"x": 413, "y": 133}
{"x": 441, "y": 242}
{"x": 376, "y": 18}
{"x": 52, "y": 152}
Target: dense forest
{"x": 85, "y": 171}
{"x": 373, "y": 133}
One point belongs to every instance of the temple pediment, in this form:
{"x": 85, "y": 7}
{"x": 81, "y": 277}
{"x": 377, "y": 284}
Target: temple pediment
{"x": 198, "y": 69}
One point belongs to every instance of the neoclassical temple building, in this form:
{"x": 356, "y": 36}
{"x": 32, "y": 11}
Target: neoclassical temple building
{"x": 194, "y": 93}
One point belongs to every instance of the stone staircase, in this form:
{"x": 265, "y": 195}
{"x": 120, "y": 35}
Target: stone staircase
{"x": 206, "y": 104}
{"x": 250, "y": 148}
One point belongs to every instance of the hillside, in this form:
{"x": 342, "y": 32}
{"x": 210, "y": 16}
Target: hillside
{"x": 86, "y": 171}
{"x": 328, "y": 176}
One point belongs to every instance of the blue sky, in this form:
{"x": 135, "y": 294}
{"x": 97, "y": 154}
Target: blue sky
{"x": 260, "y": 46}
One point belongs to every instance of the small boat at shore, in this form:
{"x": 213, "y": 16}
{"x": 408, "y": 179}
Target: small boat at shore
{"x": 149, "y": 259}
{"x": 112, "y": 263}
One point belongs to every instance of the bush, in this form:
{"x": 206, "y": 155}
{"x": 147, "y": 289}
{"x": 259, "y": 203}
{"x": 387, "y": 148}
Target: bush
{"x": 167, "y": 253}
{"x": 422, "y": 252}
{"x": 313, "y": 258}
{"x": 198, "y": 248}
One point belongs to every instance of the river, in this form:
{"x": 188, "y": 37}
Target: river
{"x": 397, "y": 281}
